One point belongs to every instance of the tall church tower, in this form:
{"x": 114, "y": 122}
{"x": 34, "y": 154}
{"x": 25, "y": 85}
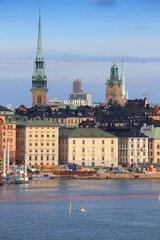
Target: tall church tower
{"x": 39, "y": 78}
{"x": 114, "y": 87}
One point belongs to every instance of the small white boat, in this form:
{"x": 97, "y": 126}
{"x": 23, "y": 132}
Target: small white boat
{"x": 81, "y": 210}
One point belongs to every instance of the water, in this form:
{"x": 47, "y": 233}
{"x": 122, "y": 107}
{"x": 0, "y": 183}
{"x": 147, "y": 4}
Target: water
{"x": 105, "y": 218}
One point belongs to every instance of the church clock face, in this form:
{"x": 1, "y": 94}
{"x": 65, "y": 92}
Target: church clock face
{"x": 111, "y": 84}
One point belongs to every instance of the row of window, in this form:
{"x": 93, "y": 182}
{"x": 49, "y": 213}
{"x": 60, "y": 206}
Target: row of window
{"x": 7, "y": 127}
{"x": 5, "y": 140}
{"x": 36, "y": 150}
{"x": 21, "y": 143}
{"x": 93, "y": 142}
{"x": 41, "y": 158}
{"x": 41, "y": 136}
{"x": 8, "y": 133}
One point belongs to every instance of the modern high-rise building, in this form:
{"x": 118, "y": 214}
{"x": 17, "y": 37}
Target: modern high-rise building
{"x": 77, "y": 88}
{"x": 39, "y": 78}
{"x": 78, "y": 97}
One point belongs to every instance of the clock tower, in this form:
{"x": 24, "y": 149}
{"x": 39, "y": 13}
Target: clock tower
{"x": 39, "y": 78}
{"x": 114, "y": 87}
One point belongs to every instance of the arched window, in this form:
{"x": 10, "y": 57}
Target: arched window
{"x": 39, "y": 100}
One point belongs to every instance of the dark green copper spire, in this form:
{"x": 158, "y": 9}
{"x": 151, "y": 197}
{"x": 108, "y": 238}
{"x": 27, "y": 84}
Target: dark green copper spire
{"x": 39, "y": 43}
{"x": 39, "y": 78}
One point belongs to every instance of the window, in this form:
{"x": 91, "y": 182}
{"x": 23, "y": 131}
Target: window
{"x": 83, "y": 141}
{"x": 39, "y": 100}
{"x": 112, "y": 141}
{"x": 102, "y": 141}
{"x": 83, "y": 150}
{"x": 93, "y": 141}
{"x": 74, "y": 141}
{"x": 36, "y": 158}
{"x": 41, "y": 158}
{"x": 47, "y": 158}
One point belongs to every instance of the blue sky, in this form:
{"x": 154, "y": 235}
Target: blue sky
{"x": 81, "y": 39}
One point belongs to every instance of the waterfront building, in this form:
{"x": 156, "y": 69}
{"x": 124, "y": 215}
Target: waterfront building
{"x": 115, "y": 87}
{"x": 132, "y": 144}
{"x": 88, "y": 147}
{"x": 132, "y": 149}
{"x": 37, "y": 142}
{"x": 39, "y": 78}
{"x": 151, "y": 128}
{"x": 7, "y": 134}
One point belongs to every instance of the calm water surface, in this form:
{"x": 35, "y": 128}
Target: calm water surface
{"x": 105, "y": 218}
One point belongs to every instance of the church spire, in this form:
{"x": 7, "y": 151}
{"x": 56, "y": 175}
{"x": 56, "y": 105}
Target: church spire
{"x": 39, "y": 78}
{"x": 39, "y": 56}
{"x": 123, "y": 81}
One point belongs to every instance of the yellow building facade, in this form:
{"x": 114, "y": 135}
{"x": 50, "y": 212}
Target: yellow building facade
{"x": 88, "y": 147}
{"x": 37, "y": 142}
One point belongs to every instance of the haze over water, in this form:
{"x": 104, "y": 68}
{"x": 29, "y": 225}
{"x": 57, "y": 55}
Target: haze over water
{"x": 105, "y": 218}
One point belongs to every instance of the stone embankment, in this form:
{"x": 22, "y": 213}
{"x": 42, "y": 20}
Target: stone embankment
{"x": 128, "y": 176}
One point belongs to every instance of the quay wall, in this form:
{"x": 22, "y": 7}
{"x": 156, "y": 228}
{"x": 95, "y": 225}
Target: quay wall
{"x": 129, "y": 176}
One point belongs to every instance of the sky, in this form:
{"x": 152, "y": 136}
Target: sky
{"x": 81, "y": 39}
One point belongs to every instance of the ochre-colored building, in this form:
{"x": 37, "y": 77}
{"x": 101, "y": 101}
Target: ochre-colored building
{"x": 37, "y": 142}
{"x": 88, "y": 147}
